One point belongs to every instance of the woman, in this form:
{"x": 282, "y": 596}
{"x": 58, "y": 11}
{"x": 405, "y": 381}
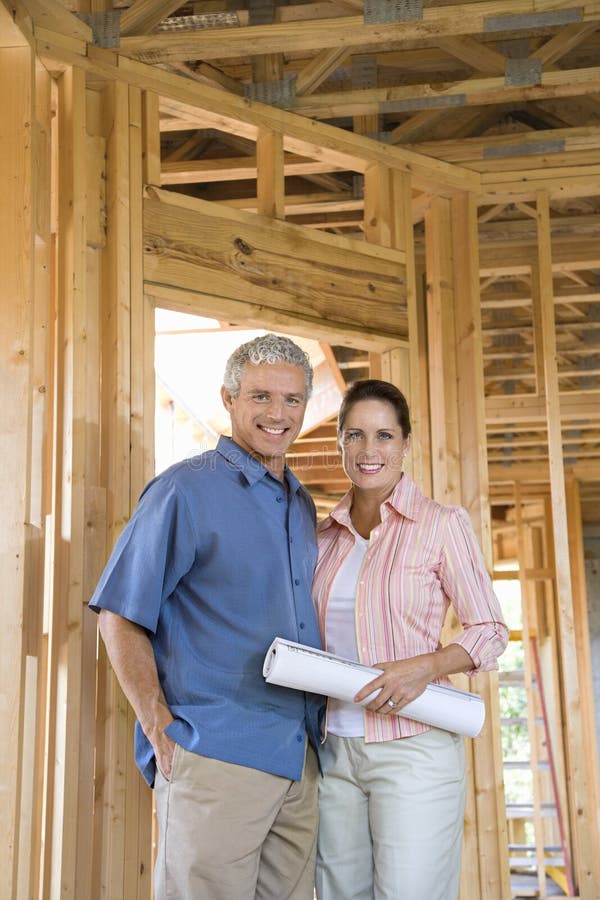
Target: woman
{"x": 390, "y": 563}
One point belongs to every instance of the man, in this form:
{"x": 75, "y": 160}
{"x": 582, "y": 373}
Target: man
{"x": 216, "y": 561}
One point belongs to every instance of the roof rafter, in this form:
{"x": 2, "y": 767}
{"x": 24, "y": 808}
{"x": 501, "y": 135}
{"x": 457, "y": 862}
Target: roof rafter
{"x": 437, "y": 22}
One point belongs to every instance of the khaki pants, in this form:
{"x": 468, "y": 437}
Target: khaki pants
{"x": 228, "y": 832}
{"x": 391, "y": 818}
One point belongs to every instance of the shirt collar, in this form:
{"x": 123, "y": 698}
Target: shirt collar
{"x": 405, "y": 499}
{"x": 252, "y": 469}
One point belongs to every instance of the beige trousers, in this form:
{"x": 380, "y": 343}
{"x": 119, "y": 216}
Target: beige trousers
{"x": 228, "y": 832}
{"x": 391, "y": 818}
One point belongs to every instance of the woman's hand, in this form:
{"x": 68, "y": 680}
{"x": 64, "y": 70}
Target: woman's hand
{"x": 401, "y": 681}
{"x": 406, "y": 679}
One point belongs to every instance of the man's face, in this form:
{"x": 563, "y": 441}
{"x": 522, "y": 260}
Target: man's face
{"x": 267, "y": 414}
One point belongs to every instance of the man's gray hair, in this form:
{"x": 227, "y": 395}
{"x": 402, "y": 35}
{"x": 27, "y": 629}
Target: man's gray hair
{"x": 267, "y": 348}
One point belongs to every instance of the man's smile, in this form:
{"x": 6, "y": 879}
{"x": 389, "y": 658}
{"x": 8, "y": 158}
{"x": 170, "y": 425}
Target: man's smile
{"x": 270, "y": 430}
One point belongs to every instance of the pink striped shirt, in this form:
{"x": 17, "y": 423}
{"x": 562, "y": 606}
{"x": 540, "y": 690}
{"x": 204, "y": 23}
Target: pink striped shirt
{"x": 422, "y": 557}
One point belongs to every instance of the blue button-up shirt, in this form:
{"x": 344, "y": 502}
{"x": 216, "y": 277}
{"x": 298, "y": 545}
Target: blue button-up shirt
{"x": 215, "y": 562}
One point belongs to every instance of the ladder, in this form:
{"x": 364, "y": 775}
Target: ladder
{"x": 533, "y": 863}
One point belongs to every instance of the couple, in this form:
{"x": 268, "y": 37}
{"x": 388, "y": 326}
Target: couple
{"x": 217, "y": 560}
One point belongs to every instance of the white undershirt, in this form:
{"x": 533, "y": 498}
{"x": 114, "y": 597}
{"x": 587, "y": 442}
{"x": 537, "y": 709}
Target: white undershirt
{"x": 345, "y": 719}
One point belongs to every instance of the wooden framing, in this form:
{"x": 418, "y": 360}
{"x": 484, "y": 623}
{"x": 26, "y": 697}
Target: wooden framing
{"x": 19, "y": 677}
{"x": 99, "y": 241}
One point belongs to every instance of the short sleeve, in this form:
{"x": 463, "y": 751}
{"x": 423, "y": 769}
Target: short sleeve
{"x": 155, "y": 550}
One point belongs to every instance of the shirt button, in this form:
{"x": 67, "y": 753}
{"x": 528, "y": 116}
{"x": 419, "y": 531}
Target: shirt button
{"x": 301, "y": 624}
{"x": 296, "y": 581}
{"x": 299, "y": 738}
{"x": 279, "y": 499}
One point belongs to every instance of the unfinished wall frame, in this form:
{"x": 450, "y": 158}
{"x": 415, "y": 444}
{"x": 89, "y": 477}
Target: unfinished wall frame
{"x": 97, "y": 245}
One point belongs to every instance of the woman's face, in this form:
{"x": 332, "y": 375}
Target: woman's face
{"x": 373, "y": 446}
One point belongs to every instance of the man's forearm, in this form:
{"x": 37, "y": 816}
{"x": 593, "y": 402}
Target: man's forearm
{"x": 132, "y": 658}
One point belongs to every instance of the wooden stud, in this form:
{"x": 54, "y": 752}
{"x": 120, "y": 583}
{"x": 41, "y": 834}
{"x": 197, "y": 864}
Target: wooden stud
{"x": 487, "y": 752}
{"x": 138, "y": 840}
{"x": 442, "y": 360}
{"x": 151, "y": 137}
{"x": 529, "y": 631}
{"x": 70, "y": 791}
{"x": 16, "y": 234}
{"x": 270, "y": 182}
{"x": 584, "y": 663}
{"x": 114, "y": 776}
{"x": 580, "y": 810}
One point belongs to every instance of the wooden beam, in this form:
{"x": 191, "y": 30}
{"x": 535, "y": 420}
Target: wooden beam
{"x": 512, "y": 145}
{"x": 144, "y": 15}
{"x": 298, "y": 204}
{"x": 206, "y": 107}
{"x": 204, "y": 73}
{"x": 560, "y": 183}
{"x": 480, "y": 57}
{"x": 536, "y": 474}
{"x": 200, "y": 171}
{"x": 566, "y": 39}
{"x": 318, "y": 70}
{"x": 436, "y": 22}
{"x": 51, "y": 14}
{"x": 469, "y": 92}
{"x": 514, "y": 258}
{"x": 528, "y": 408}
{"x": 197, "y": 247}
{"x": 419, "y": 124}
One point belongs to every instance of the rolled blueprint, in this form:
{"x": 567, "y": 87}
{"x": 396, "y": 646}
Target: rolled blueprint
{"x": 306, "y": 669}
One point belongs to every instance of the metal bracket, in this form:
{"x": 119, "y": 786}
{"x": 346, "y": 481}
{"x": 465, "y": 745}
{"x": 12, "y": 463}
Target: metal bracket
{"x": 418, "y": 103}
{"x": 381, "y": 11}
{"x": 529, "y": 21}
{"x": 194, "y": 23}
{"x": 261, "y": 12}
{"x": 507, "y": 150}
{"x": 523, "y": 72}
{"x": 276, "y": 93}
{"x": 519, "y": 48}
{"x": 358, "y": 187}
{"x": 364, "y": 72}
{"x": 106, "y": 27}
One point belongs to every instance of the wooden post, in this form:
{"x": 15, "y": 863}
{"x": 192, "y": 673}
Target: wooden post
{"x": 270, "y": 182}
{"x": 487, "y": 760}
{"x": 16, "y": 333}
{"x": 587, "y": 739}
{"x": 459, "y": 474}
{"x": 124, "y": 802}
{"x": 68, "y": 776}
{"x": 579, "y": 799}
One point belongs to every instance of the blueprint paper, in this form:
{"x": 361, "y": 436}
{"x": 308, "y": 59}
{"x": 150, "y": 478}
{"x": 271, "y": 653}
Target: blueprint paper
{"x": 306, "y": 669}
